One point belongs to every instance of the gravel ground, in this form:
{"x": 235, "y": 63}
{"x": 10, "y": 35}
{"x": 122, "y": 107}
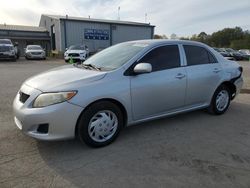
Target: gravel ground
{"x": 246, "y": 73}
{"x": 189, "y": 150}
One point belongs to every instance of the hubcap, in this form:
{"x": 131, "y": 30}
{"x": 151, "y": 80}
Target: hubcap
{"x": 103, "y": 126}
{"x": 222, "y": 100}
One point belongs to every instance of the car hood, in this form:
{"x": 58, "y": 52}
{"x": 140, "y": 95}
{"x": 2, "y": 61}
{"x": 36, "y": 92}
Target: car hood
{"x": 34, "y": 51}
{"x": 10, "y": 45}
{"x": 63, "y": 78}
{"x": 75, "y": 51}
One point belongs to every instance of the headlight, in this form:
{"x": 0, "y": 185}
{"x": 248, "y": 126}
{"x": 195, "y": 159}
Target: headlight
{"x": 46, "y": 99}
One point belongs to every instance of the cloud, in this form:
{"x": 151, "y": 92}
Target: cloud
{"x": 170, "y": 16}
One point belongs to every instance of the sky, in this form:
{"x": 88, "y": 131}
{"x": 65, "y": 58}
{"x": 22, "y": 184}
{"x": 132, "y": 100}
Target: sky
{"x": 182, "y": 17}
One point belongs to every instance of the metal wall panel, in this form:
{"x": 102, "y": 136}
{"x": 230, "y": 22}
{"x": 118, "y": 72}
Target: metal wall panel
{"x": 122, "y": 33}
{"x": 75, "y": 34}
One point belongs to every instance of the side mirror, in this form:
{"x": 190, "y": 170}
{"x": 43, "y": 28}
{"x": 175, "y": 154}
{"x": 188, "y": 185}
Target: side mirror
{"x": 16, "y": 44}
{"x": 66, "y": 49}
{"x": 143, "y": 68}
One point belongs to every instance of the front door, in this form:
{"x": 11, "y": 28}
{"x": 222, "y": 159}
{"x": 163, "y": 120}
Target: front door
{"x": 163, "y": 89}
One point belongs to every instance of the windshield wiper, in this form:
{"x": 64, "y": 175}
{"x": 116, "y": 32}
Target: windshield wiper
{"x": 91, "y": 66}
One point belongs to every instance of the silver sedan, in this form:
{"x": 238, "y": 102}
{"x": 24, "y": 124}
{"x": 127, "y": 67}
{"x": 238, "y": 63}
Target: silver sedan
{"x": 34, "y": 52}
{"x": 128, "y": 83}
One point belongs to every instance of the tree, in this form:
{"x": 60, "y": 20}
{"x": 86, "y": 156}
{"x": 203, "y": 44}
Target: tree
{"x": 174, "y": 36}
{"x": 156, "y": 36}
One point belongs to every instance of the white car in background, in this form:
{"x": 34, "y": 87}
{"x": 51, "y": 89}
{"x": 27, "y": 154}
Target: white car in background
{"x": 77, "y": 53}
{"x": 35, "y": 52}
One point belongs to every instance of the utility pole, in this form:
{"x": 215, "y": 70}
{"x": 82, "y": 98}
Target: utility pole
{"x": 119, "y": 13}
{"x": 146, "y": 17}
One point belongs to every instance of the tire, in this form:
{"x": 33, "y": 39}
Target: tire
{"x": 107, "y": 122}
{"x": 223, "y": 95}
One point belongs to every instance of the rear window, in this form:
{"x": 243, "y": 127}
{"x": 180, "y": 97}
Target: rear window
{"x": 198, "y": 55}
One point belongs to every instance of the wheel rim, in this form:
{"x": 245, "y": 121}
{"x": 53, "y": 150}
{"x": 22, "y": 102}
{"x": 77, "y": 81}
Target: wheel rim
{"x": 102, "y": 126}
{"x": 222, "y": 100}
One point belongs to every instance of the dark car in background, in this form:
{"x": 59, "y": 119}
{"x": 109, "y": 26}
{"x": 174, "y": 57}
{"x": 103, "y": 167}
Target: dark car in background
{"x": 235, "y": 54}
{"x": 223, "y": 52}
{"x": 7, "y": 50}
{"x": 245, "y": 53}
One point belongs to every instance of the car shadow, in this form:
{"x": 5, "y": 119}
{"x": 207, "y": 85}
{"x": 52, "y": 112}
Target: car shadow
{"x": 140, "y": 150}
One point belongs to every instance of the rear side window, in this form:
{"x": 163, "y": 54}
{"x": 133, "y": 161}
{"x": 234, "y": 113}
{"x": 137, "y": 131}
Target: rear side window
{"x": 164, "y": 57}
{"x": 198, "y": 55}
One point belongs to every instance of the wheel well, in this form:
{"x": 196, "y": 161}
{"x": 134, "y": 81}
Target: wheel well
{"x": 117, "y": 103}
{"x": 231, "y": 87}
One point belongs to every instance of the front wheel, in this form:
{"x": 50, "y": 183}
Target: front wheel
{"x": 220, "y": 101}
{"x": 100, "y": 124}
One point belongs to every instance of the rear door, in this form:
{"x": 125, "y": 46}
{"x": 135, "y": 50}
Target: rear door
{"x": 203, "y": 75}
{"x": 163, "y": 89}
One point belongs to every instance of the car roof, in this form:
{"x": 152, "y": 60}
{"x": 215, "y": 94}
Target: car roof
{"x": 167, "y": 41}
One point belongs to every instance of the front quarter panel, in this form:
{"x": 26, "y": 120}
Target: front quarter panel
{"x": 113, "y": 86}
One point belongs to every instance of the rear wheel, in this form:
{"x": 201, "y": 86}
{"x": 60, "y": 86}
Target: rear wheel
{"x": 100, "y": 124}
{"x": 220, "y": 101}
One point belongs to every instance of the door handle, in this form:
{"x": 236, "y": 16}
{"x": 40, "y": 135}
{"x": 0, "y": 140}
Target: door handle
{"x": 216, "y": 70}
{"x": 180, "y": 76}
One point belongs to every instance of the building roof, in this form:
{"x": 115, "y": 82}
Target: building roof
{"x": 22, "y": 28}
{"x": 98, "y": 20}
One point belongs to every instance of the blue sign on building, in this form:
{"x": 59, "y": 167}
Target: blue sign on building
{"x": 96, "y": 34}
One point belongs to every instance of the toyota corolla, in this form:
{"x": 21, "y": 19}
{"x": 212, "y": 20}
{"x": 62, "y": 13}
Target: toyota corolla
{"x": 125, "y": 84}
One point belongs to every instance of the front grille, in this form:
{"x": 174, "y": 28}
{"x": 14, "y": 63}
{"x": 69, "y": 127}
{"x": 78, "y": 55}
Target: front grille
{"x": 4, "y": 48}
{"x": 36, "y": 53}
{"x": 23, "y": 97}
{"x": 74, "y": 55}
{"x": 3, "y": 55}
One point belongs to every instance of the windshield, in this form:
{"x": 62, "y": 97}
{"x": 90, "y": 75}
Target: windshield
{"x": 34, "y": 48}
{"x": 76, "y": 47}
{"x": 5, "y": 41}
{"x": 115, "y": 56}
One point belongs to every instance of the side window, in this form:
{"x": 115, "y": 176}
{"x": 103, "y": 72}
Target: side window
{"x": 165, "y": 57}
{"x": 198, "y": 55}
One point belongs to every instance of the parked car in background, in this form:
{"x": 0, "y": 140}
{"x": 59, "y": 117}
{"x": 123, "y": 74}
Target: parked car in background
{"x": 35, "y": 52}
{"x": 7, "y": 50}
{"x": 245, "y": 53}
{"x": 222, "y": 52}
{"x": 77, "y": 53}
{"x": 235, "y": 54}
{"x": 122, "y": 85}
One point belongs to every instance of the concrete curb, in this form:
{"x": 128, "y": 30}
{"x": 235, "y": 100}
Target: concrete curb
{"x": 245, "y": 91}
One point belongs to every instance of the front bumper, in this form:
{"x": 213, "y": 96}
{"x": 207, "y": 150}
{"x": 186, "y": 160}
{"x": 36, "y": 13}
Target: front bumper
{"x": 32, "y": 56}
{"x": 80, "y": 57}
{"x": 61, "y": 118}
{"x": 7, "y": 56}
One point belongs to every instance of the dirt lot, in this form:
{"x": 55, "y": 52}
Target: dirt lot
{"x": 189, "y": 150}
